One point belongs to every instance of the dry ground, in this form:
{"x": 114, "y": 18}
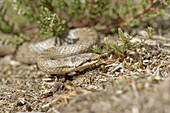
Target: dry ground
{"x": 116, "y": 86}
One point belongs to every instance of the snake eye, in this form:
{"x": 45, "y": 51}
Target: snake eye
{"x": 89, "y": 60}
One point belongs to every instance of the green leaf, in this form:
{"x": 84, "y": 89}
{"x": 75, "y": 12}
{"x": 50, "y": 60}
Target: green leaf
{"x": 51, "y": 23}
{"x": 96, "y": 49}
{"x": 115, "y": 46}
{"x": 106, "y": 43}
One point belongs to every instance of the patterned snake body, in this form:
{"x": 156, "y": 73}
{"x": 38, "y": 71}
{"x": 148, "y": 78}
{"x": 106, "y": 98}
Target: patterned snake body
{"x": 29, "y": 52}
{"x": 62, "y": 59}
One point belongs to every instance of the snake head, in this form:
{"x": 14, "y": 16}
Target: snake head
{"x": 86, "y": 59}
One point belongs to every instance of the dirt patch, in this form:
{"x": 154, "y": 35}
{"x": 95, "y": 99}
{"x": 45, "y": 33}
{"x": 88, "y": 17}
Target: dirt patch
{"x": 118, "y": 99}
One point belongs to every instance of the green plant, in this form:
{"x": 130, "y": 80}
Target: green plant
{"x": 6, "y": 26}
{"x": 16, "y": 39}
{"x": 125, "y": 40}
{"x": 30, "y": 9}
{"x": 133, "y": 13}
{"x": 121, "y": 48}
{"x": 51, "y": 23}
{"x": 89, "y": 12}
{"x": 97, "y": 8}
{"x": 106, "y": 45}
{"x": 96, "y": 49}
{"x": 124, "y": 43}
{"x": 99, "y": 14}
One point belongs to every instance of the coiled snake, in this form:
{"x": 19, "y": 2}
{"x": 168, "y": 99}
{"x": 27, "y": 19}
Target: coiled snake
{"x": 60, "y": 59}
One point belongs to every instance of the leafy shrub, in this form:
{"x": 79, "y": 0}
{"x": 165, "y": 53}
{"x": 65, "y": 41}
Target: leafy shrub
{"x": 64, "y": 14}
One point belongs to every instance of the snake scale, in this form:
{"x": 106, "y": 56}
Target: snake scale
{"x": 59, "y": 59}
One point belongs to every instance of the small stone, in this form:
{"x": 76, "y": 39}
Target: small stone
{"x": 14, "y": 63}
{"x": 139, "y": 86}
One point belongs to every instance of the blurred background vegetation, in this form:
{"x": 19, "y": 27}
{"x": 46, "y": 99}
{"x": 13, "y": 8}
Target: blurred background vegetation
{"x": 30, "y": 19}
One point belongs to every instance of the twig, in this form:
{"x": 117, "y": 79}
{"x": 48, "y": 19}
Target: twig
{"x": 116, "y": 68}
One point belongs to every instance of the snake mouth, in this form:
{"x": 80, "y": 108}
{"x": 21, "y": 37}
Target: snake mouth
{"x": 89, "y": 63}
{"x": 86, "y": 65}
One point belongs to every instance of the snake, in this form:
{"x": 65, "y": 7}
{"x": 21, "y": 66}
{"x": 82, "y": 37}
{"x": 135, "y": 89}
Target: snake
{"x": 60, "y": 59}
